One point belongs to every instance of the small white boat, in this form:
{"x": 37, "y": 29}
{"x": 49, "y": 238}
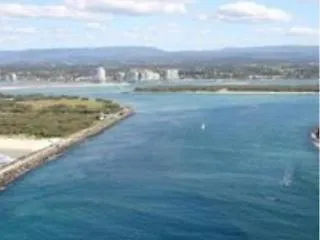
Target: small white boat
{"x": 315, "y": 138}
{"x": 203, "y": 126}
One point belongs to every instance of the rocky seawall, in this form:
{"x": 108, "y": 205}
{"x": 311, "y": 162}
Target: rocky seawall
{"x": 21, "y": 166}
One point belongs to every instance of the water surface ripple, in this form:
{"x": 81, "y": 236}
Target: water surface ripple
{"x": 250, "y": 174}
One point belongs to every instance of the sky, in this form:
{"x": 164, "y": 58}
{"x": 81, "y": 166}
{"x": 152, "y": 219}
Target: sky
{"x": 167, "y": 24}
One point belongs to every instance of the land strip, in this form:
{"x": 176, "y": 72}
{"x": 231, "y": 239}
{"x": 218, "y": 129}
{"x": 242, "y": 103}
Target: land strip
{"x": 232, "y": 88}
{"x": 36, "y": 128}
{"x": 18, "y": 168}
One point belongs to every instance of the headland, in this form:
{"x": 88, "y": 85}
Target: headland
{"x": 35, "y": 129}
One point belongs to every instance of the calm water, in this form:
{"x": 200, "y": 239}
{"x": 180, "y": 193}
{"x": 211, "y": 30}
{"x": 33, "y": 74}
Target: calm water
{"x": 281, "y": 82}
{"x": 250, "y": 174}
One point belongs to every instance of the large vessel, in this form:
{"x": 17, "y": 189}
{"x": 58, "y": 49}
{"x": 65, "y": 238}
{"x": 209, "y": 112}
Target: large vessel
{"x": 315, "y": 137}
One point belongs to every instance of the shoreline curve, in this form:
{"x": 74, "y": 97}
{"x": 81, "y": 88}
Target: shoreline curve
{"x": 21, "y": 166}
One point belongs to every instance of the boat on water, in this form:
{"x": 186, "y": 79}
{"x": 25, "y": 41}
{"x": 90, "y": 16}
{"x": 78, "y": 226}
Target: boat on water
{"x": 315, "y": 137}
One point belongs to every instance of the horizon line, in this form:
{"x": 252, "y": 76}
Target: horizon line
{"x": 157, "y": 48}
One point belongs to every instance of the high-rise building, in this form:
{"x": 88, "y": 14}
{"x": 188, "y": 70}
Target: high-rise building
{"x": 11, "y": 77}
{"x": 149, "y": 75}
{"x": 142, "y": 75}
{"x": 119, "y": 76}
{"x": 101, "y": 75}
{"x": 172, "y": 74}
{"x": 132, "y": 75}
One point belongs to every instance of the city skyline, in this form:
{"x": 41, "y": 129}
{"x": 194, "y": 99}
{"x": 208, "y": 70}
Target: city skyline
{"x": 169, "y": 25}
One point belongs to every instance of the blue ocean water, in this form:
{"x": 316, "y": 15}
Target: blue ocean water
{"x": 252, "y": 173}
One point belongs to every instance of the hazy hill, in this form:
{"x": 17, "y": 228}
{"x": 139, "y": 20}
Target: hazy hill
{"x": 149, "y": 55}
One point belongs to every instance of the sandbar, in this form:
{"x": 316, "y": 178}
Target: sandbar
{"x": 15, "y": 147}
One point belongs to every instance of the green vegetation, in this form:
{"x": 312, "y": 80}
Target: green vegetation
{"x": 235, "y": 88}
{"x": 48, "y": 116}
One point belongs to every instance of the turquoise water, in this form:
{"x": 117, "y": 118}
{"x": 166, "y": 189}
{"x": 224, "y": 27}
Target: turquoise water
{"x": 252, "y": 173}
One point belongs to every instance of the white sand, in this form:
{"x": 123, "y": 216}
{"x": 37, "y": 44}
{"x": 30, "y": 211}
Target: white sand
{"x": 23, "y": 144}
{"x": 59, "y": 85}
{"x": 5, "y": 159}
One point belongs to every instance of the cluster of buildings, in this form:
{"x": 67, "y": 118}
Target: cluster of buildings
{"x": 10, "y": 77}
{"x": 98, "y": 75}
{"x": 94, "y": 75}
{"x": 87, "y": 74}
{"x": 136, "y": 75}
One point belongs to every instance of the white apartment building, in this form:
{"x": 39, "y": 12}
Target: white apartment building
{"x": 172, "y": 74}
{"x": 132, "y": 75}
{"x": 101, "y": 75}
{"x": 149, "y": 75}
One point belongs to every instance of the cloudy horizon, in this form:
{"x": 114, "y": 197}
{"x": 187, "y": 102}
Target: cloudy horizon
{"x": 166, "y": 24}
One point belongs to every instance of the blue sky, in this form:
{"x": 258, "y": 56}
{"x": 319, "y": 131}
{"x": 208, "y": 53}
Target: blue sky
{"x": 166, "y": 24}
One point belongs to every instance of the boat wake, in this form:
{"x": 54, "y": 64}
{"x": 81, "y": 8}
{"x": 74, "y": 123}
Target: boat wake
{"x": 287, "y": 177}
{"x": 315, "y": 140}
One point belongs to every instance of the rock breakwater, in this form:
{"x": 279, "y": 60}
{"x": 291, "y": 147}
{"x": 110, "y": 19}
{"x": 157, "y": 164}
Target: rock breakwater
{"x": 21, "y": 166}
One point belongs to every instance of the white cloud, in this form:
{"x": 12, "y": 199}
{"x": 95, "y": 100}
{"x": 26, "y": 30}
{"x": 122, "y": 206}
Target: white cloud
{"x": 59, "y": 30}
{"x": 292, "y": 31}
{"x": 154, "y": 31}
{"x": 303, "y": 31}
{"x": 22, "y": 30}
{"x": 132, "y": 34}
{"x": 8, "y": 39}
{"x": 310, "y": 1}
{"x": 130, "y": 7}
{"x": 93, "y": 10}
{"x": 205, "y": 32}
{"x": 251, "y": 12}
{"x": 148, "y": 33}
{"x": 96, "y": 26}
{"x": 202, "y": 17}
{"x": 43, "y": 11}
{"x": 171, "y": 28}
{"x": 270, "y": 30}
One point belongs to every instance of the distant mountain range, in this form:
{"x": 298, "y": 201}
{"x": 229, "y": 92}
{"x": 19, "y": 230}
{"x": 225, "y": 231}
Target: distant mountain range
{"x": 154, "y": 56}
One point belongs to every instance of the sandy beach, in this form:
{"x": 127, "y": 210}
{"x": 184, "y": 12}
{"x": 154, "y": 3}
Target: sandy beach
{"x": 60, "y": 85}
{"x": 48, "y": 148}
{"x": 18, "y": 146}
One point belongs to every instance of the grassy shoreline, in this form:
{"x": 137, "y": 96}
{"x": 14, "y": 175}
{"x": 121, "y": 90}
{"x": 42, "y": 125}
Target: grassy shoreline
{"x": 50, "y": 116}
{"x": 16, "y": 169}
{"x": 43, "y": 127}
